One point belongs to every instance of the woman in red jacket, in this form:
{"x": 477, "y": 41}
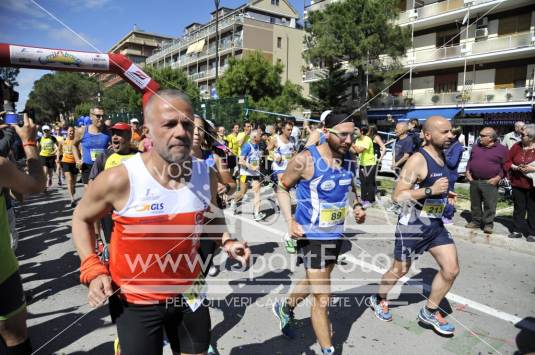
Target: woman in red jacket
{"x": 521, "y": 167}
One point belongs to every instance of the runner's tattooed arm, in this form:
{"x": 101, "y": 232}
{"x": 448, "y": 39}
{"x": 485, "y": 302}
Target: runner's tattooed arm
{"x": 416, "y": 170}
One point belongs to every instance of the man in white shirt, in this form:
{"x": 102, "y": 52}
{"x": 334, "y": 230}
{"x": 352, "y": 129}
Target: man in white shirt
{"x": 515, "y": 136}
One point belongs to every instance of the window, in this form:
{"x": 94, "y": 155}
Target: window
{"x": 446, "y": 83}
{"x": 279, "y": 42}
{"x": 272, "y": 20}
{"x": 512, "y": 77}
{"x": 514, "y": 24}
{"x": 275, "y": 2}
{"x": 448, "y": 38}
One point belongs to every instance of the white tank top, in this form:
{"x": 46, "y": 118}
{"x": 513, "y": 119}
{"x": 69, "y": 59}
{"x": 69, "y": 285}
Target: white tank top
{"x": 156, "y": 235}
{"x": 285, "y": 151}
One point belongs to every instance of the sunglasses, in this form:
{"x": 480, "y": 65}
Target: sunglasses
{"x": 342, "y": 135}
{"x": 98, "y": 116}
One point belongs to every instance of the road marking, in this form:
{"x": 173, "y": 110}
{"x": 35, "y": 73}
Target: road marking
{"x": 451, "y": 296}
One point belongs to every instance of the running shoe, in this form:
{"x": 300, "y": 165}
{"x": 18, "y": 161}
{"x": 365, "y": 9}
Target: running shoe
{"x": 380, "y": 309}
{"x": 530, "y": 238}
{"x": 286, "y": 319}
{"x": 436, "y": 321}
{"x": 328, "y": 350}
{"x": 290, "y": 243}
{"x": 213, "y": 271}
{"x": 259, "y": 216}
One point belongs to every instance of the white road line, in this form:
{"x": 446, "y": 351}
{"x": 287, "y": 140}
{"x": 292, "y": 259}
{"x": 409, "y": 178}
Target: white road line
{"x": 451, "y": 296}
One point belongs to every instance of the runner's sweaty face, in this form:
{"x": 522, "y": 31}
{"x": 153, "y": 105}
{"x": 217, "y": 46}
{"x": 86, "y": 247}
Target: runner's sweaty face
{"x": 439, "y": 134}
{"x": 337, "y": 142}
{"x": 70, "y": 133}
{"x": 171, "y": 129}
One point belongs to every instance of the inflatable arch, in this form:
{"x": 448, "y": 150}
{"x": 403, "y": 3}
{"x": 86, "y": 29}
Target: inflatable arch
{"x": 12, "y": 55}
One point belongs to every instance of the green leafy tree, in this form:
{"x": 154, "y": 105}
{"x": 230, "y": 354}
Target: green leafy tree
{"x": 255, "y": 77}
{"x": 359, "y": 32}
{"x": 83, "y": 109}
{"x": 332, "y": 89}
{"x": 61, "y": 92}
{"x": 9, "y": 75}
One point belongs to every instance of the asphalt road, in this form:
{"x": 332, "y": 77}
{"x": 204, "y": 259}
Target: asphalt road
{"x": 494, "y": 290}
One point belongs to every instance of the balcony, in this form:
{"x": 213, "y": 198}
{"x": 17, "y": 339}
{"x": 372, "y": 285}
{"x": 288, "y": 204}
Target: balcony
{"x": 430, "y": 98}
{"x": 206, "y": 74}
{"x": 503, "y": 44}
{"x": 435, "y": 9}
{"x": 174, "y": 46}
{"x": 195, "y": 57}
{"x": 313, "y": 75}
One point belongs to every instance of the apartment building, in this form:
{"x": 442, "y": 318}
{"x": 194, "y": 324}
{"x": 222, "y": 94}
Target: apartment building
{"x": 472, "y": 61}
{"x": 137, "y": 45}
{"x": 267, "y": 25}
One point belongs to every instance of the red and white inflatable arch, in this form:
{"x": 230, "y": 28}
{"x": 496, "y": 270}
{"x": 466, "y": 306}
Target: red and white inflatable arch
{"x": 61, "y": 59}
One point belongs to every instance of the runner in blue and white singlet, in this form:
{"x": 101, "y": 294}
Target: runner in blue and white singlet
{"x": 323, "y": 176}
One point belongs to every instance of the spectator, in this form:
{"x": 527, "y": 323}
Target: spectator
{"x": 515, "y": 136}
{"x": 232, "y": 144}
{"x": 453, "y": 156}
{"x": 145, "y": 145}
{"x": 379, "y": 147}
{"x": 136, "y": 132}
{"x": 415, "y": 131}
{"x": 521, "y": 162}
{"x": 363, "y": 146}
{"x": 484, "y": 171}
{"x": 296, "y": 133}
{"x": 403, "y": 148}
{"x": 13, "y": 314}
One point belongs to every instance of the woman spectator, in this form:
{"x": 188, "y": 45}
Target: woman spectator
{"x": 453, "y": 156}
{"x": 520, "y": 164}
{"x": 379, "y": 147}
{"x": 145, "y": 145}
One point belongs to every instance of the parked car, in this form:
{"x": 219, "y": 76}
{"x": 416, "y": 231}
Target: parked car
{"x": 386, "y": 164}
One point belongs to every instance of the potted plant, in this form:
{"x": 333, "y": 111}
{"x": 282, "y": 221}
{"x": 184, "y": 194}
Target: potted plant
{"x": 409, "y": 101}
{"x": 435, "y": 98}
{"x": 489, "y": 97}
{"x": 508, "y": 96}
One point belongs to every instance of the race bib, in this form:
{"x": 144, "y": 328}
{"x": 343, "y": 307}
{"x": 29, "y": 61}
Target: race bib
{"x": 196, "y": 293}
{"x": 287, "y": 156}
{"x": 332, "y": 214}
{"x": 94, "y": 153}
{"x": 433, "y": 208}
{"x": 254, "y": 162}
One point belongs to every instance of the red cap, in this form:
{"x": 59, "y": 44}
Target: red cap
{"x": 121, "y": 126}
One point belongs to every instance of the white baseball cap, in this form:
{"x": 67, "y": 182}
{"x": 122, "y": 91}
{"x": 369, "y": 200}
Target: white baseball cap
{"x": 324, "y": 115}
{"x": 134, "y": 120}
{"x": 45, "y": 128}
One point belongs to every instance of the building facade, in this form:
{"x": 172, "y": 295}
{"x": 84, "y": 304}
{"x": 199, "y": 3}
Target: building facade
{"x": 266, "y": 25}
{"x": 472, "y": 61}
{"x": 137, "y": 45}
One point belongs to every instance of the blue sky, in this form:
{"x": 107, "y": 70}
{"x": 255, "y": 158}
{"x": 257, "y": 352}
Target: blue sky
{"x": 99, "y": 22}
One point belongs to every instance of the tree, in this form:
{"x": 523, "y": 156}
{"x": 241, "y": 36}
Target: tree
{"x": 331, "y": 90}
{"x": 61, "y": 92}
{"x": 357, "y": 31}
{"x": 253, "y": 76}
{"x": 260, "y": 80}
{"x": 83, "y": 109}
{"x": 9, "y": 75}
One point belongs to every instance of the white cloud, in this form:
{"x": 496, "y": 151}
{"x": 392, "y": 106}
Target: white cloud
{"x": 25, "y": 7}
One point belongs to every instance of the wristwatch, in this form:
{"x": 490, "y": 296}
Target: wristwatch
{"x": 428, "y": 192}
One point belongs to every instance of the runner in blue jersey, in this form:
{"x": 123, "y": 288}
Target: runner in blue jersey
{"x": 423, "y": 185}
{"x": 92, "y": 142}
{"x": 323, "y": 176}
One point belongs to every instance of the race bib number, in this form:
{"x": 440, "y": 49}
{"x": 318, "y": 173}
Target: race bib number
{"x": 433, "y": 208}
{"x": 332, "y": 214}
{"x": 94, "y": 153}
{"x": 196, "y": 293}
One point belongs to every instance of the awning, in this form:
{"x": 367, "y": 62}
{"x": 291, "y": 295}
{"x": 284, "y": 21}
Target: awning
{"x": 480, "y": 111}
{"x": 196, "y": 47}
{"x": 424, "y": 114}
{"x": 382, "y": 114}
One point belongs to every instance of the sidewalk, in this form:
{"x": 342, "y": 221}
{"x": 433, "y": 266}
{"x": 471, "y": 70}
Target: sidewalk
{"x": 497, "y": 239}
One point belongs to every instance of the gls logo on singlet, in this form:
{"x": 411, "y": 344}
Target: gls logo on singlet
{"x": 149, "y": 207}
